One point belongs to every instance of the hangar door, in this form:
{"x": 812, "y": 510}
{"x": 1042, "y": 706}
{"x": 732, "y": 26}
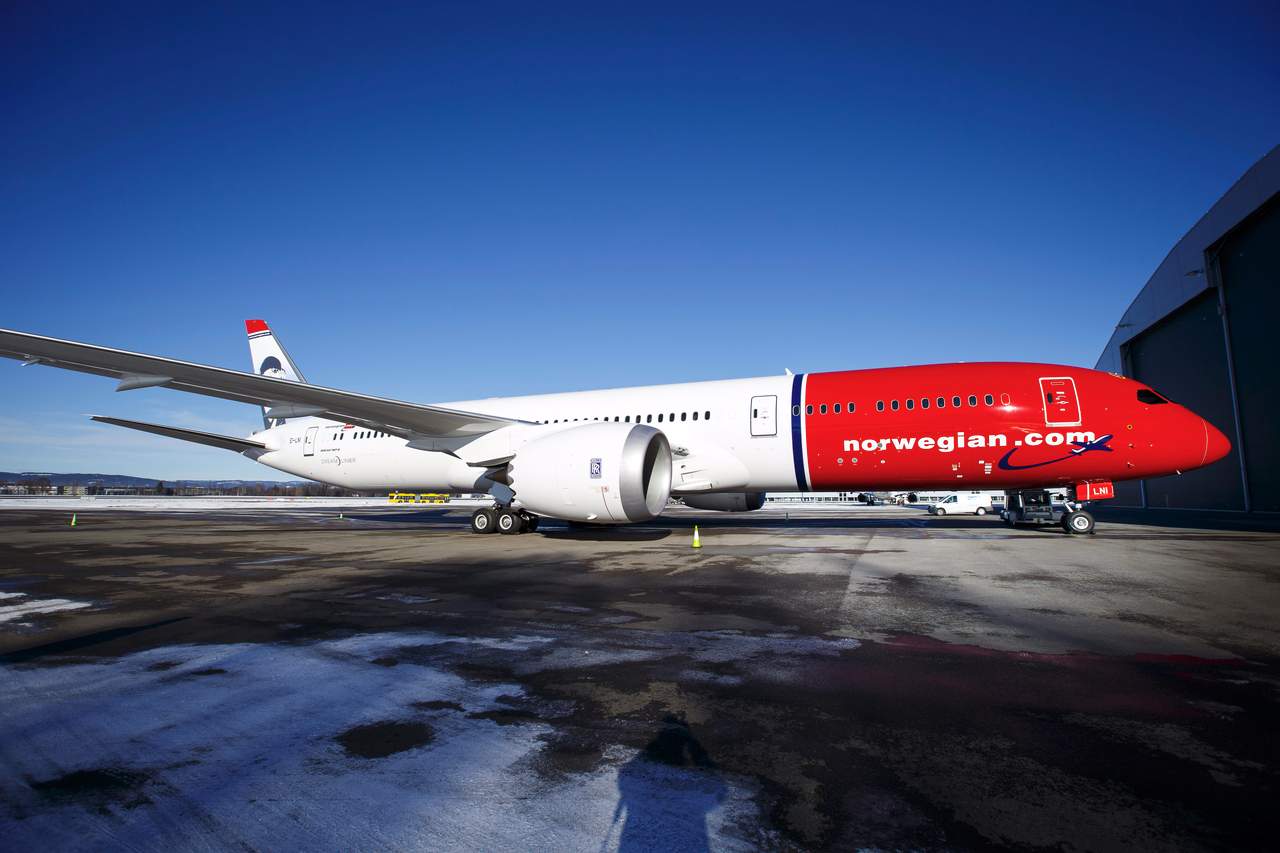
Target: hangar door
{"x": 1183, "y": 357}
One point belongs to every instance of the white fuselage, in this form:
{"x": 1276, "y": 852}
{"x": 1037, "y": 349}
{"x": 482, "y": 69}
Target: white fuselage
{"x": 731, "y": 435}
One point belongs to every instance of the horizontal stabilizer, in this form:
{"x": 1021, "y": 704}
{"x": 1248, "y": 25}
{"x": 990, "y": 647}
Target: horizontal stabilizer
{"x": 226, "y": 442}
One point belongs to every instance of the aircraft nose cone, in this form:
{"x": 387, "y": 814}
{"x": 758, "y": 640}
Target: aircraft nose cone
{"x": 1216, "y": 445}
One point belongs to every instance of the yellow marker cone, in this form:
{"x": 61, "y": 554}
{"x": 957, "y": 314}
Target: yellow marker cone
{"x": 697, "y": 540}
{"x": 73, "y": 519}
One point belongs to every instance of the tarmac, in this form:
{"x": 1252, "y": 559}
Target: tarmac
{"x": 371, "y": 677}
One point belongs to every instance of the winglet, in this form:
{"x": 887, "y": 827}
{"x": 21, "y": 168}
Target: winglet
{"x": 255, "y": 326}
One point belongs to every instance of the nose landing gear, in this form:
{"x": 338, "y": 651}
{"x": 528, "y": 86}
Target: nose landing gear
{"x": 1077, "y": 521}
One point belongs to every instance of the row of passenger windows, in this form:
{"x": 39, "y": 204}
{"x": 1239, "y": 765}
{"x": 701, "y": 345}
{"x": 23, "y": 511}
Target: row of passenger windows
{"x": 957, "y": 402}
{"x": 360, "y": 434}
{"x": 626, "y": 419}
{"x": 648, "y": 419}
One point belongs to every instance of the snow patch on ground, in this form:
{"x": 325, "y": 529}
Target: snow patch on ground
{"x": 202, "y": 747}
{"x": 35, "y": 606}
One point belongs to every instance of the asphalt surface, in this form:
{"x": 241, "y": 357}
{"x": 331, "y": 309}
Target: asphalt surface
{"x": 808, "y": 679}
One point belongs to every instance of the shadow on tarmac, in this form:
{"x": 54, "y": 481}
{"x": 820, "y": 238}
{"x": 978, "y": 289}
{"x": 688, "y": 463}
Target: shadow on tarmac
{"x": 604, "y": 533}
{"x": 1189, "y": 519}
{"x": 666, "y": 792}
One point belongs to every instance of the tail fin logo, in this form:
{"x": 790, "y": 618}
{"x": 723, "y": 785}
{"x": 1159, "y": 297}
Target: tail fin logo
{"x": 272, "y": 368}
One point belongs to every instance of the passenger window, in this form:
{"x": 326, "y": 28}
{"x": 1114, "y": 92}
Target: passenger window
{"x": 924, "y": 402}
{"x": 808, "y": 410}
{"x": 911, "y": 404}
{"x": 695, "y": 416}
{"x": 851, "y": 408}
{"x": 822, "y": 410}
{"x": 755, "y": 413}
{"x": 672, "y": 417}
{"x": 989, "y": 400}
{"x": 879, "y": 405}
{"x": 973, "y": 400}
{"x": 955, "y": 401}
{"x": 683, "y": 415}
{"x": 1146, "y": 395}
{"x": 628, "y": 420}
{"x": 795, "y": 411}
{"x": 649, "y": 418}
{"x": 659, "y": 417}
{"x": 893, "y": 404}
{"x": 836, "y": 408}
{"x": 706, "y": 416}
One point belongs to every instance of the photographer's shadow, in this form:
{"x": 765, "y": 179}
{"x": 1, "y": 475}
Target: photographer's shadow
{"x": 666, "y": 792}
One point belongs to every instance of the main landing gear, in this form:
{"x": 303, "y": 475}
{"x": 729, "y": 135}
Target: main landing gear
{"x": 503, "y": 520}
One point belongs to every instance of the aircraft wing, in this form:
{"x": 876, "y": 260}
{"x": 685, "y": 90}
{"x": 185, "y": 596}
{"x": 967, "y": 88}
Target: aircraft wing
{"x": 212, "y": 439}
{"x": 282, "y": 398}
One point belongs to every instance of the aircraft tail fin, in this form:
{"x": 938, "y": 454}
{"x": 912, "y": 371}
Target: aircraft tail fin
{"x": 270, "y": 359}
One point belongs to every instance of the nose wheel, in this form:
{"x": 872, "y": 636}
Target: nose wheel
{"x": 1079, "y": 522}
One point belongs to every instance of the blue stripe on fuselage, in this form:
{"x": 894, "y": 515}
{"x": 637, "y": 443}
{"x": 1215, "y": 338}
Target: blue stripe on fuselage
{"x": 797, "y": 440}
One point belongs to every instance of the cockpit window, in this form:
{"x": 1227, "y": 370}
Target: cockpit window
{"x": 1146, "y": 395}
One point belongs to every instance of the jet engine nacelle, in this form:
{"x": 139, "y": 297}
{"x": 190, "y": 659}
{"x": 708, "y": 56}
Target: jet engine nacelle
{"x": 604, "y": 473}
{"x": 727, "y": 502}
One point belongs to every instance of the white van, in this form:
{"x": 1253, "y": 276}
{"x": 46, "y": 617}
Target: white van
{"x": 962, "y": 503}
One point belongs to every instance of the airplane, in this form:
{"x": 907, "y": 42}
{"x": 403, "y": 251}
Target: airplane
{"x": 617, "y": 456}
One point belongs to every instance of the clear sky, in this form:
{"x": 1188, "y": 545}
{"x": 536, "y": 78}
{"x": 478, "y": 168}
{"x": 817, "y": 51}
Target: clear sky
{"x": 451, "y": 201}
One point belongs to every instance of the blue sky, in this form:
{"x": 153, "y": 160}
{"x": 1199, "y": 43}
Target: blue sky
{"x": 447, "y": 201}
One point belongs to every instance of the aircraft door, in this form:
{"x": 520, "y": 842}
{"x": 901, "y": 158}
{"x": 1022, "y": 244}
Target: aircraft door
{"x": 309, "y": 443}
{"x": 1061, "y": 403}
{"x": 764, "y": 415}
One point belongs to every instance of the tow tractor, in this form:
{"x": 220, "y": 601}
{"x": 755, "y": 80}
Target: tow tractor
{"x": 1037, "y": 506}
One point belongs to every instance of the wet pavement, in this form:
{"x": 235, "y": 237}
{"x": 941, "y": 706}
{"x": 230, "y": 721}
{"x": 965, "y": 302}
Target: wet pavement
{"x": 809, "y": 679}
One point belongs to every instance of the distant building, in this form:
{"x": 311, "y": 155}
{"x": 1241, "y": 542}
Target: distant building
{"x": 1200, "y": 332}
{"x": 813, "y": 497}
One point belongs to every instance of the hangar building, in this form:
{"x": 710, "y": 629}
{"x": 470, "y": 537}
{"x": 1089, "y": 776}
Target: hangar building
{"x": 1200, "y": 332}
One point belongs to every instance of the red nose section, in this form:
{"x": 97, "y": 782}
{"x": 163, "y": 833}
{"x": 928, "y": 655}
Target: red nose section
{"x": 1216, "y": 445}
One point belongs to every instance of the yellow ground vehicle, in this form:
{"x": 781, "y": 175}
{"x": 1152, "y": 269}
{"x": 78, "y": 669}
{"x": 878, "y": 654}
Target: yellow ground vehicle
{"x": 417, "y": 498}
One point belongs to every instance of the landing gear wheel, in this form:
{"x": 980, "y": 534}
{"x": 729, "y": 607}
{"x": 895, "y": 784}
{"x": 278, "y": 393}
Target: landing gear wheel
{"x": 510, "y": 522}
{"x": 482, "y": 521}
{"x": 1077, "y": 522}
{"x": 982, "y": 510}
